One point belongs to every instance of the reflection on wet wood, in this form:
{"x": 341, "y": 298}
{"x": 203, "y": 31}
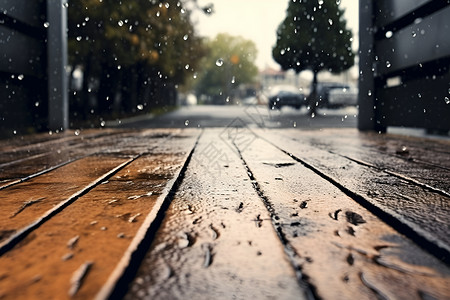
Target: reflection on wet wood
{"x": 335, "y": 240}
{"x": 224, "y": 213}
{"x": 420, "y": 212}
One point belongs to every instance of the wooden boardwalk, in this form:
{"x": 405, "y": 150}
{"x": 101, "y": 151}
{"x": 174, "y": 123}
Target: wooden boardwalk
{"x": 227, "y": 213}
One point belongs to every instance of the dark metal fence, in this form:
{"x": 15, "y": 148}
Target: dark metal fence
{"x": 33, "y": 57}
{"x": 404, "y": 64}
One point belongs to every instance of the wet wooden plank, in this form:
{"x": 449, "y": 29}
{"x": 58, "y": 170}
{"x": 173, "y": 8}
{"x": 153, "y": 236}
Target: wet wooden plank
{"x": 254, "y": 223}
{"x": 20, "y": 164}
{"x": 341, "y": 248}
{"x": 426, "y": 162}
{"x": 29, "y": 201}
{"x": 425, "y": 150}
{"x": 12, "y": 155}
{"x": 422, "y": 214}
{"x": 26, "y": 146}
{"x": 61, "y": 152}
{"x": 32, "y": 201}
{"x": 90, "y": 236}
{"x": 216, "y": 240}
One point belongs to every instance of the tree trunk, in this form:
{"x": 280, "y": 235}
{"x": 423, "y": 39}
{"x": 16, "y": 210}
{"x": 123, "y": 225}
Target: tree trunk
{"x": 84, "y": 95}
{"x": 106, "y": 89}
{"x": 312, "y": 98}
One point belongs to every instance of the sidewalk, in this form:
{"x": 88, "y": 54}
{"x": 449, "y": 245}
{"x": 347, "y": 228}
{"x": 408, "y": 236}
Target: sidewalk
{"x": 224, "y": 213}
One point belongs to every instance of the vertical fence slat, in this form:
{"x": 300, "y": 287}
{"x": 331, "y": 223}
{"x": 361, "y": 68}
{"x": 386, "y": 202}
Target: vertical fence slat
{"x": 366, "y": 97}
{"x": 404, "y": 65}
{"x": 58, "y": 106}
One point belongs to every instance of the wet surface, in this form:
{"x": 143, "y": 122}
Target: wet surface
{"x": 216, "y": 240}
{"x": 329, "y": 232}
{"x": 425, "y": 211}
{"x": 410, "y": 158}
{"x": 227, "y": 213}
{"x": 88, "y": 237}
{"x": 27, "y": 201}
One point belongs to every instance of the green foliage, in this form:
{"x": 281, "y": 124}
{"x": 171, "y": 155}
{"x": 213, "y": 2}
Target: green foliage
{"x": 137, "y": 49}
{"x": 313, "y": 36}
{"x": 229, "y": 63}
{"x": 125, "y": 33}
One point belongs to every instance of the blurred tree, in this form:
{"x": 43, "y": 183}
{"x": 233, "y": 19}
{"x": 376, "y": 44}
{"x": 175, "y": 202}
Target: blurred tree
{"x": 313, "y": 36}
{"x": 138, "y": 49}
{"x": 230, "y": 62}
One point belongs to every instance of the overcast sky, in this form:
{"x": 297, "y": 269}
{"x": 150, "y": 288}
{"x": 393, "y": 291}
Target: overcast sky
{"x": 257, "y": 20}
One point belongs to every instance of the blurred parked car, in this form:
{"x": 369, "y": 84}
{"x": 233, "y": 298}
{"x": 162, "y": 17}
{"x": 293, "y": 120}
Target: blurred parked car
{"x": 286, "y": 96}
{"x": 343, "y": 97}
{"x": 324, "y": 89}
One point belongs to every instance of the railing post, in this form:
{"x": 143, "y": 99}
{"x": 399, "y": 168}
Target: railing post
{"x": 58, "y": 106}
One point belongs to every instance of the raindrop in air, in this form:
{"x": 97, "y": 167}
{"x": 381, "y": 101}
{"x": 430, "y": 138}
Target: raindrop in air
{"x": 20, "y": 77}
{"x": 185, "y": 37}
{"x": 447, "y": 100}
{"x": 46, "y": 24}
{"x": 388, "y": 34}
{"x": 369, "y": 93}
{"x": 79, "y": 38}
{"x": 388, "y": 64}
{"x": 36, "y": 103}
{"x": 338, "y": 2}
{"x": 186, "y": 123}
{"x": 233, "y": 79}
{"x": 195, "y": 75}
{"x": 120, "y": 23}
{"x": 77, "y": 132}
{"x": 140, "y": 106}
{"x": 413, "y": 34}
{"x": 330, "y": 22}
{"x": 219, "y": 62}
{"x": 102, "y": 123}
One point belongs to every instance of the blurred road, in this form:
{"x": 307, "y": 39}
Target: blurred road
{"x": 253, "y": 116}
